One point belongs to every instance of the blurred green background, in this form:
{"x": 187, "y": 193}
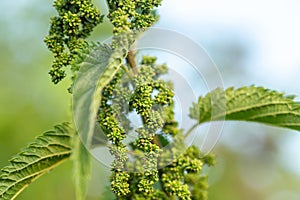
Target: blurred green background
{"x": 254, "y": 161}
{"x": 30, "y": 104}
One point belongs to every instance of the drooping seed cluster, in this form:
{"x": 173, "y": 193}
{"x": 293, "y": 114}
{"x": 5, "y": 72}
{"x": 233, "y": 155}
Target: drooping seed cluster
{"x": 183, "y": 178}
{"x": 115, "y": 133}
{"x": 151, "y": 96}
{"x": 112, "y": 118}
{"x": 140, "y": 169}
{"x": 68, "y": 31}
{"x": 180, "y": 168}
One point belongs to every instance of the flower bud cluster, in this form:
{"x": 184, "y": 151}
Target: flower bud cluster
{"x": 128, "y": 15}
{"x": 74, "y": 23}
{"x": 150, "y": 97}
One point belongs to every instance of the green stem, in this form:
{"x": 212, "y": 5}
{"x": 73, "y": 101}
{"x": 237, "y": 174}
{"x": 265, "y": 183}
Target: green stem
{"x": 190, "y": 130}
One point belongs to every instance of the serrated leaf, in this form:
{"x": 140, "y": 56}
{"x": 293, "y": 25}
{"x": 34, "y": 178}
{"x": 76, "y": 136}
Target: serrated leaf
{"x": 255, "y": 104}
{"x": 40, "y": 157}
{"x": 82, "y": 168}
{"x": 96, "y": 71}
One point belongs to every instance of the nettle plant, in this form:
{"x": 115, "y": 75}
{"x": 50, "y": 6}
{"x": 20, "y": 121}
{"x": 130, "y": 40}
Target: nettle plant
{"x": 108, "y": 85}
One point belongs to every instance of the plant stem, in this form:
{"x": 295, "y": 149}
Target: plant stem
{"x": 130, "y": 59}
{"x": 190, "y": 130}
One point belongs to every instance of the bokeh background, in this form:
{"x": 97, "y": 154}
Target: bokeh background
{"x": 251, "y": 42}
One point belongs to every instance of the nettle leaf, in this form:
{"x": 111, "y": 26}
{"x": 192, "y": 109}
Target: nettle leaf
{"x": 96, "y": 71}
{"x": 41, "y": 156}
{"x": 254, "y": 104}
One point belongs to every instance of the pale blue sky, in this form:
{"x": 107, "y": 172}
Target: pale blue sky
{"x": 271, "y": 28}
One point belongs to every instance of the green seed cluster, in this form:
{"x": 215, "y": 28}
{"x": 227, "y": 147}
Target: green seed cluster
{"x": 142, "y": 100}
{"x": 126, "y": 15}
{"x": 74, "y": 23}
{"x": 115, "y": 133}
{"x": 149, "y": 106}
{"x": 144, "y": 166}
{"x": 147, "y": 102}
{"x": 173, "y": 176}
{"x": 181, "y": 169}
{"x": 175, "y": 169}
